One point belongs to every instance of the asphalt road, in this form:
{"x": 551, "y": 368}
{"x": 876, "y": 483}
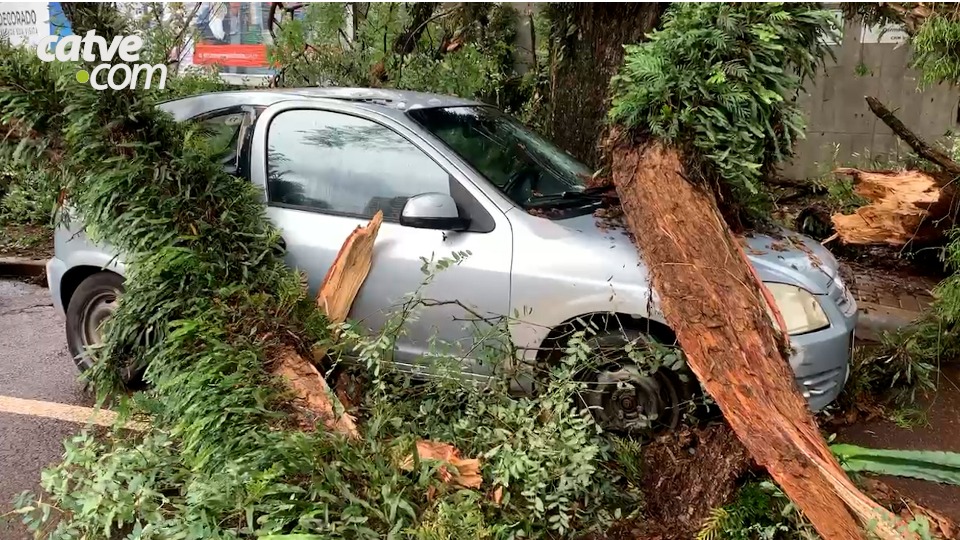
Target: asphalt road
{"x": 34, "y": 364}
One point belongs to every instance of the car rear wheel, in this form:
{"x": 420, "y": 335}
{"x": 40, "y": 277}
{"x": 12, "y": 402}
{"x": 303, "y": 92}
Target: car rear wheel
{"x": 92, "y": 303}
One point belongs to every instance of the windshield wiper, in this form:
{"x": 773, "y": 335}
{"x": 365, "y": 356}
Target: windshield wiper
{"x": 571, "y": 197}
{"x": 597, "y": 190}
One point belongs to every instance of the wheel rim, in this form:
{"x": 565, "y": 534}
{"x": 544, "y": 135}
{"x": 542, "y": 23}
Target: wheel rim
{"x": 98, "y": 310}
{"x": 623, "y": 398}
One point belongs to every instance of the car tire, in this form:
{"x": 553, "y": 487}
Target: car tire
{"x": 92, "y": 302}
{"x": 620, "y": 397}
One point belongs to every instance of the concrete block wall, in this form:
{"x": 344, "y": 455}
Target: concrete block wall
{"x": 841, "y": 129}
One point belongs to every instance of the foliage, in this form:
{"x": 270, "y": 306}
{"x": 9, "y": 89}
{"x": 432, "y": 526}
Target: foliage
{"x": 190, "y": 82}
{"x": 916, "y": 352}
{"x": 943, "y": 467}
{"x": 935, "y": 47}
{"x": 543, "y": 453}
{"x": 28, "y": 191}
{"x": 628, "y": 454}
{"x": 761, "y": 510}
{"x": 28, "y": 194}
{"x": 167, "y": 31}
{"x": 718, "y": 79}
{"x": 463, "y": 49}
{"x": 935, "y": 36}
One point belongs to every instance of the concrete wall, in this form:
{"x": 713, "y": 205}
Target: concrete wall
{"x": 838, "y": 119}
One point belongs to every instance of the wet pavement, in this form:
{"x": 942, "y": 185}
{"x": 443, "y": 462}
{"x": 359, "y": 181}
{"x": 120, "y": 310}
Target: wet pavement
{"x": 34, "y": 364}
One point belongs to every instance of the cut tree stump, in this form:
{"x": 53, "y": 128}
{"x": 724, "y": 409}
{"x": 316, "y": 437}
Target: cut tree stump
{"x": 714, "y": 303}
{"x": 312, "y": 391}
{"x": 346, "y": 275}
{"x": 905, "y": 206}
{"x": 337, "y": 293}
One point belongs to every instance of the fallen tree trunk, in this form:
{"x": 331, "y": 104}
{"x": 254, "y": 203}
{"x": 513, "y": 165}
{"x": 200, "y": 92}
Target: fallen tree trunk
{"x": 714, "y": 302}
{"x": 904, "y": 207}
{"x": 313, "y": 393}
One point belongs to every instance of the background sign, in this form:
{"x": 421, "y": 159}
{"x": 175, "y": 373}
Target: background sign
{"x": 24, "y": 23}
{"x": 233, "y": 36}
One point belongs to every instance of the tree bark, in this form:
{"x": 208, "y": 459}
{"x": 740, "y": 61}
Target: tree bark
{"x": 712, "y": 299}
{"x": 919, "y": 146}
{"x": 587, "y": 52}
{"x": 337, "y": 293}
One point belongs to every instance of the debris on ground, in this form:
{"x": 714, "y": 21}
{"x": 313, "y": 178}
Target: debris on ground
{"x": 689, "y": 473}
{"x": 467, "y": 471}
{"x": 941, "y": 526}
{"x": 31, "y": 241}
{"x": 935, "y": 425}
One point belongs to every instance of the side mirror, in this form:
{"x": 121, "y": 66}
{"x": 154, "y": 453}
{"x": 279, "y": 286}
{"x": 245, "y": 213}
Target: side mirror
{"x": 433, "y": 211}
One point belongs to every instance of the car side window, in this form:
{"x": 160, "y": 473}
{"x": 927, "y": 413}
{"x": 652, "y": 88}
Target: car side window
{"x": 343, "y": 164}
{"x": 223, "y": 133}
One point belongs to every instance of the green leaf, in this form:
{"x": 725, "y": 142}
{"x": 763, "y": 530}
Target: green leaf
{"x": 934, "y": 466}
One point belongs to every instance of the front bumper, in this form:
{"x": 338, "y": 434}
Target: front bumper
{"x": 55, "y": 271}
{"x": 821, "y": 359}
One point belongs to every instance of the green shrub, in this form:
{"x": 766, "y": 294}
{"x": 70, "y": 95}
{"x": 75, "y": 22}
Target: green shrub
{"x": 719, "y": 80}
{"x": 761, "y": 510}
{"x": 894, "y": 376}
{"x": 464, "y": 50}
{"x": 29, "y": 196}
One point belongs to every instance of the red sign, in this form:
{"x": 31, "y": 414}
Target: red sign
{"x": 230, "y": 55}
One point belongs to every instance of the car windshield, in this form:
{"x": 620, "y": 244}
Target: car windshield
{"x": 526, "y": 167}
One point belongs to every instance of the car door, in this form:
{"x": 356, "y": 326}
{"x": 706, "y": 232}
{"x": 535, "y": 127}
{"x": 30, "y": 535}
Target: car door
{"x": 327, "y": 169}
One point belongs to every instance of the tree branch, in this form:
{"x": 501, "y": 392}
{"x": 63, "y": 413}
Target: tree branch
{"x": 421, "y": 14}
{"x": 921, "y": 147}
{"x": 181, "y": 34}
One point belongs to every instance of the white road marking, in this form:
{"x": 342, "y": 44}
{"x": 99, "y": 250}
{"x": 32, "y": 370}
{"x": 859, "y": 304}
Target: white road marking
{"x": 66, "y": 413}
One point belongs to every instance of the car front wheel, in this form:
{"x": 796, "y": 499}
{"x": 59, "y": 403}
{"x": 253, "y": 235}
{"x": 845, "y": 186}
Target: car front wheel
{"x": 627, "y": 398}
{"x": 94, "y": 300}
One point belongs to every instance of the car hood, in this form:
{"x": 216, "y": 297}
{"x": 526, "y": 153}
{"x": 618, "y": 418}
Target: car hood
{"x": 788, "y": 257}
{"x": 782, "y": 257}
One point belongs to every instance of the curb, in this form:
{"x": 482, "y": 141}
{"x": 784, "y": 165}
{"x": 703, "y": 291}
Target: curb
{"x": 875, "y": 319}
{"x": 22, "y": 267}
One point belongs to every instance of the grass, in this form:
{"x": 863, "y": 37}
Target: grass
{"x": 909, "y": 417}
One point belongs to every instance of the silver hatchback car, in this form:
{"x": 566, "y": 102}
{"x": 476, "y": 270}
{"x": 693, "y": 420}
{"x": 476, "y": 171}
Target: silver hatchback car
{"x": 452, "y": 175}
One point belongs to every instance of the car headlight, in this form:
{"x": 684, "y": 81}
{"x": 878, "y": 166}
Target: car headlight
{"x": 801, "y": 311}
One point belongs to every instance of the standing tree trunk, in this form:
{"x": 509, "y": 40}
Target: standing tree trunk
{"x": 711, "y": 297}
{"x": 590, "y": 38}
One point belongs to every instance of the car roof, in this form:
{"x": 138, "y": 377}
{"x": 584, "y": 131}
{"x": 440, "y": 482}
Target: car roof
{"x": 396, "y": 100}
